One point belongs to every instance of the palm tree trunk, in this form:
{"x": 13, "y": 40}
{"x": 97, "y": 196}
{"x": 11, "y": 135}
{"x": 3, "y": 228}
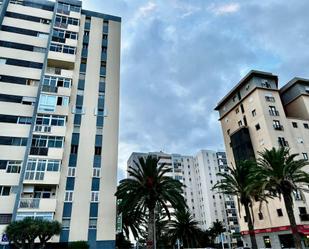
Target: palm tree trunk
{"x": 289, "y": 209}
{"x": 250, "y": 227}
{"x": 150, "y": 236}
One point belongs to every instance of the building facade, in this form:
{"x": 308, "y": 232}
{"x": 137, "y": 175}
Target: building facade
{"x": 257, "y": 114}
{"x": 199, "y": 174}
{"x": 59, "y": 109}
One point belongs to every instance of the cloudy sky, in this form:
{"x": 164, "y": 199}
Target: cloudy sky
{"x": 179, "y": 57}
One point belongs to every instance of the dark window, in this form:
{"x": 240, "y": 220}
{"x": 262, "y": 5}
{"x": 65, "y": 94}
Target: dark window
{"x": 16, "y": 141}
{"x": 267, "y": 242}
{"x": 22, "y": 63}
{"x": 26, "y": 17}
{"x": 282, "y": 142}
{"x": 5, "y": 219}
{"x": 35, "y": 5}
{"x": 253, "y": 113}
{"x": 242, "y": 108}
{"x": 306, "y": 126}
{"x": 97, "y": 150}
{"x": 279, "y": 212}
{"x": 273, "y": 111}
{"x": 261, "y": 217}
{"x": 302, "y": 210}
{"x": 74, "y": 149}
{"x": 257, "y": 127}
{"x": 5, "y": 190}
{"x": 20, "y": 46}
{"x": 294, "y": 124}
{"x": 245, "y": 219}
{"x": 22, "y": 31}
{"x": 18, "y": 80}
{"x": 277, "y": 125}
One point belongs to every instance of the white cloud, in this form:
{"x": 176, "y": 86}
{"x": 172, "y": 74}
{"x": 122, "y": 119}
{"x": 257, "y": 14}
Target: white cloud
{"x": 224, "y": 9}
{"x": 146, "y": 9}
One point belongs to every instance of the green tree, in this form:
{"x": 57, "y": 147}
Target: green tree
{"x": 184, "y": 228}
{"x": 217, "y": 229}
{"x": 281, "y": 174}
{"x": 122, "y": 242}
{"x": 133, "y": 221}
{"x": 47, "y": 230}
{"x": 239, "y": 182}
{"x": 147, "y": 186}
{"x": 23, "y": 233}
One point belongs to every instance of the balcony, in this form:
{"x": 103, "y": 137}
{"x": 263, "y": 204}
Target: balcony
{"x": 304, "y": 217}
{"x": 60, "y": 72}
{"x": 37, "y": 204}
{"x": 38, "y": 151}
{"x": 42, "y": 177}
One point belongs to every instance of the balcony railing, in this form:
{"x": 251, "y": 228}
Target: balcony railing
{"x": 30, "y": 203}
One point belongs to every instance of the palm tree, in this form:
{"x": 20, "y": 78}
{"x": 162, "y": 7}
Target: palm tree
{"x": 184, "y": 228}
{"x": 217, "y": 229}
{"x": 133, "y": 221}
{"x": 148, "y": 186}
{"x": 238, "y": 182}
{"x": 281, "y": 174}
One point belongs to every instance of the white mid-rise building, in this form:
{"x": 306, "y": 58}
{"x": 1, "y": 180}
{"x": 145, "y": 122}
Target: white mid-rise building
{"x": 199, "y": 174}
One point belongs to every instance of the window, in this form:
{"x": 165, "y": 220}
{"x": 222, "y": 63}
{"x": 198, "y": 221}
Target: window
{"x": 237, "y": 110}
{"x": 257, "y": 127}
{"x": 97, "y": 150}
{"x": 269, "y": 97}
{"x": 242, "y": 108}
{"x": 13, "y": 166}
{"x": 94, "y": 196}
{"x": 306, "y": 126}
{"x": 245, "y": 219}
{"x": 294, "y": 124}
{"x": 47, "y": 103}
{"x": 279, "y": 212}
{"x": 96, "y": 172}
{"x": 68, "y": 197}
{"x": 50, "y": 120}
{"x": 277, "y": 125}
{"x": 93, "y": 223}
{"x": 253, "y": 113}
{"x": 71, "y": 171}
{"x": 266, "y": 84}
{"x": 267, "y": 242}
{"x": 5, "y": 219}
{"x": 273, "y": 111}
{"x": 57, "y": 81}
{"x": 239, "y": 123}
{"x": 282, "y": 142}
{"x": 261, "y": 216}
{"x": 47, "y": 141}
{"x": 65, "y": 224}
{"x": 74, "y": 149}
{"x": 36, "y": 168}
{"x": 5, "y": 190}
{"x": 228, "y": 131}
{"x": 305, "y": 156}
{"x": 15, "y": 141}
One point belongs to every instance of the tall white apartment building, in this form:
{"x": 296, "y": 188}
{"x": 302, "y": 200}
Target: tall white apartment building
{"x": 59, "y": 108}
{"x": 257, "y": 114}
{"x": 199, "y": 174}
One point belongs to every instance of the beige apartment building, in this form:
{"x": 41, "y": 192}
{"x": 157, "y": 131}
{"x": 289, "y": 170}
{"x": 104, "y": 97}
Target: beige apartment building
{"x": 59, "y": 111}
{"x": 257, "y": 114}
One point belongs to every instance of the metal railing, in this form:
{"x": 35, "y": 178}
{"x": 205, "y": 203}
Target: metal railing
{"x": 29, "y": 203}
